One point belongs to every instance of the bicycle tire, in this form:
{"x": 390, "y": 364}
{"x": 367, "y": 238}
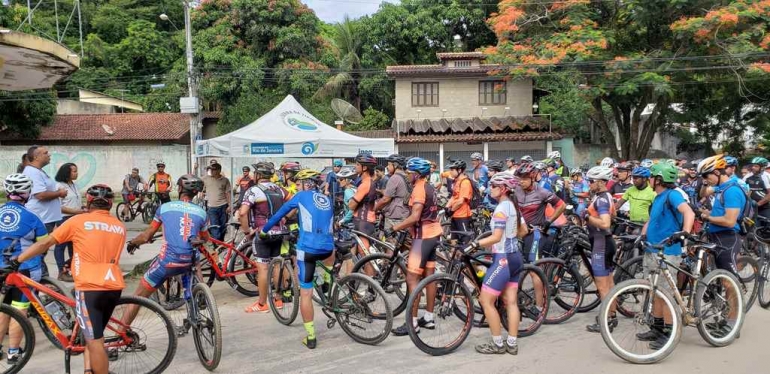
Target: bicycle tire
{"x": 528, "y": 298}
{"x": 201, "y": 292}
{"x": 362, "y": 307}
{"x": 241, "y": 282}
{"x": 140, "y": 335}
{"x": 28, "y": 339}
{"x": 443, "y": 312}
{"x": 591, "y": 298}
{"x": 764, "y": 298}
{"x": 398, "y": 286}
{"x": 631, "y": 269}
{"x": 147, "y": 213}
{"x": 749, "y": 282}
{"x": 119, "y": 210}
{"x": 287, "y": 270}
{"x": 170, "y": 293}
{"x": 705, "y": 286}
{"x": 60, "y": 288}
{"x": 560, "y": 277}
{"x": 641, "y": 285}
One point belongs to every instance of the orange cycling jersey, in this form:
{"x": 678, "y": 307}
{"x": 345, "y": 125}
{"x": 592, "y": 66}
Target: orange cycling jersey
{"x": 162, "y": 182}
{"x": 428, "y": 226}
{"x": 365, "y": 197}
{"x": 98, "y": 241}
{"x": 464, "y": 191}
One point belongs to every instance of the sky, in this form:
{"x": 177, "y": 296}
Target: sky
{"x": 334, "y": 10}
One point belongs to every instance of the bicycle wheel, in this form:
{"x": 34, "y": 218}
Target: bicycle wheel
{"x": 147, "y": 212}
{"x": 631, "y": 269}
{"x": 27, "y": 343}
{"x": 450, "y": 332}
{"x": 565, "y": 289}
{"x": 719, "y": 304}
{"x": 207, "y": 332}
{"x": 748, "y": 275}
{"x": 360, "y": 307}
{"x": 63, "y": 314}
{"x": 394, "y": 284}
{"x": 119, "y": 213}
{"x": 283, "y": 286}
{"x": 245, "y": 283}
{"x": 622, "y": 339}
{"x": 591, "y": 298}
{"x": 763, "y": 286}
{"x": 146, "y": 346}
{"x": 170, "y": 293}
{"x": 533, "y": 300}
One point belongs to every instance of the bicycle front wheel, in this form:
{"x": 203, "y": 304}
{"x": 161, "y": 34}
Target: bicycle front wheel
{"x": 763, "y": 286}
{"x": 147, "y": 212}
{"x": 564, "y": 287}
{"x": 360, "y": 307}
{"x": 207, "y": 331}
{"x": 245, "y": 283}
{"x": 127, "y": 217}
{"x": 748, "y": 275}
{"x": 394, "y": 284}
{"x": 719, "y": 304}
{"x": 283, "y": 291}
{"x": 533, "y": 300}
{"x": 147, "y": 345}
{"x": 27, "y": 345}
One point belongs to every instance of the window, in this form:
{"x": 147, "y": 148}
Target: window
{"x": 425, "y": 94}
{"x": 492, "y": 93}
{"x": 462, "y": 64}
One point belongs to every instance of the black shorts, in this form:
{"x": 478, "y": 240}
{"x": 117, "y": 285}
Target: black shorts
{"x": 164, "y": 197}
{"x": 14, "y": 297}
{"x": 94, "y": 309}
{"x": 364, "y": 226}
{"x": 266, "y": 250}
{"x": 422, "y": 255}
{"x": 306, "y": 263}
{"x": 461, "y": 224}
{"x": 726, "y": 258}
{"x": 543, "y": 248}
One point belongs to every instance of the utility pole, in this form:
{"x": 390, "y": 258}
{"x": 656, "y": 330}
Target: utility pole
{"x": 192, "y": 86}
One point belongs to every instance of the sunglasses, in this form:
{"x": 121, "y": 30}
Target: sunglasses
{"x": 591, "y": 181}
{"x": 705, "y": 175}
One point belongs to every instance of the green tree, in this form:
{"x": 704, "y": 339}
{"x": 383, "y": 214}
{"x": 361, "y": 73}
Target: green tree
{"x": 373, "y": 120}
{"x": 25, "y": 113}
{"x": 347, "y": 43}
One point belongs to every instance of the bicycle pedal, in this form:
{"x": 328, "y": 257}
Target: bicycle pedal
{"x": 330, "y": 323}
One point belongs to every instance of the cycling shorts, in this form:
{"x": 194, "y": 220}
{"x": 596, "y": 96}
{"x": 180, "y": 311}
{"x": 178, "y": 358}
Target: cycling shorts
{"x": 504, "y": 272}
{"x": 306, "y": 263}
{"x": 14, "y": 297}
{"x": 422, "y": 255}
{"x": 93, "y": 310}
{"x": 602, "y": 251}
{"x": 363, "y": 226}
{"x": 544, "y": 248}
{"x": 164, "y": 197}
{"x": 732, "y": 242}
{"x": 266, "y": 250}
{"x": 161, "y": 270}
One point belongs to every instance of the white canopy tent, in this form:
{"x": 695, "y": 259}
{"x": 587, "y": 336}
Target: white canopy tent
{"x": 288, "y": 130}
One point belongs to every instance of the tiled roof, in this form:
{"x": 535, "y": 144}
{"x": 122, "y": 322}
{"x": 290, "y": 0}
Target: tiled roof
{"x": 487, "y": 137}
{"x": 439, "y": 70}
{"x": 472, "y": 125}
{"x": 374, "y": 134}
{"x": 460, "y": 56}
{"x": 123, "y": 126}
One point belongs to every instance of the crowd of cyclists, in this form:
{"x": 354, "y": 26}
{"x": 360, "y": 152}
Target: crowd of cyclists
{"x": 529, "y": 202}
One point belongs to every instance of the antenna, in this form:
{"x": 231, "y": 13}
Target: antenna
{"x": 346, "y": 111}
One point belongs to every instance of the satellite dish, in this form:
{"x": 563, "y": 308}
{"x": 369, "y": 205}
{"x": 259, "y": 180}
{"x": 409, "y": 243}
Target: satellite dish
{"x": 346, "y": 111}
{"x": 108, "y": 129}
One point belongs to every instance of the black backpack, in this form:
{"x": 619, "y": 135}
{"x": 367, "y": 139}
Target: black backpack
{"x": 476, "y": 198}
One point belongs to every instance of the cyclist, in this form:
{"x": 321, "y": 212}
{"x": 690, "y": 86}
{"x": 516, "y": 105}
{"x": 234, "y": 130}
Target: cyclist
{"x": 494, "y": 167}
{"x": 315, "y": 242}
{"x": 480, "y": 172}
{"x": 130, "y": 185}
{"x": 507, "y": 226}
{"x": 362, "y": 203}
{"x": 533, "y": 200}
{"x": 242, "y": 184}
{"x": 426, "y": 233}
{"x": 669, "y": 214}
{"x": 540, "y": 176}
{"x": 579, "y": 191}
{"x": 526, "y": 159}
{"x": 732, "y": 166}
{"x": 289, "y": 170}
{"x": 510, "y": 164}
{"x": 98, "y": 240}
{"x": 259, "y": 204}
{"x": 598, "y": 221}
{"x": 393, "y": 203}
{"x": 162, "y": 182}
{"x": 561, "y": 169}
{"x": 759, "y": 185}
{"x": 345, "y": 178}
{"x": 691, "y": 184}
{"x": 639, "y": 196}
{"x": 618, "y": 187}
{"x": 458, "y": 207}
{"x": 646, "y": 163}
{"x": 16, "y": 222}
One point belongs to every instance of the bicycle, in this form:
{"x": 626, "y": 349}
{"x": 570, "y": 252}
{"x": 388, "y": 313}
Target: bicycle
{"x": 454, "y": 300}
{"x": 152, "y": 206}
{"x": 388, "y": 270}
{"x": 135, "y": 208}
{"x": 717, "y": 297}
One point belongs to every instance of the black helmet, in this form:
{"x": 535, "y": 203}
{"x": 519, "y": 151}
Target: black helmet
{"x": 458, "y": 164}
{"x": 190, "y": 184}
{"x": 100, "y": 195}
{"x": 397, "y": 159}
{"x": 266, "y": 169}
{"x": 495, "y": 165}
{"x": 366, "y": 159}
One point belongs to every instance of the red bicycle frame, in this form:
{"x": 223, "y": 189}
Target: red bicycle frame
{"x": 231, "y": 251}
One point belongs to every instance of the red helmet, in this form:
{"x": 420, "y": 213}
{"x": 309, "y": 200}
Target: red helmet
{"x": 526, "y": 170}
{"x": 290, "y": 166}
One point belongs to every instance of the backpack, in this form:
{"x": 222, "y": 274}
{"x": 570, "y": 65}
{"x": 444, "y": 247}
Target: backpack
{"x": 748, "y": 213}
{"x": 476, "y": 198}
{"x": 408, "y": 185}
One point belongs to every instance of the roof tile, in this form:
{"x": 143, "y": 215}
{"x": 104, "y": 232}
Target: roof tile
{"x": 124, "y": 126}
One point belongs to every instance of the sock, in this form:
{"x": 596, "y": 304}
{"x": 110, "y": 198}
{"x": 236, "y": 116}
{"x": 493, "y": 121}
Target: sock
{"x": 657, "y": 322}
{"x": 428, "y": 316}
{"x": 13, "y": 351}
{"x": 498, "y": 340}
{"x": 310, "y": 328}
{"x": 731, "y": 323}
{"x": 511, "y": 340}
{"x": 414, "y": 321}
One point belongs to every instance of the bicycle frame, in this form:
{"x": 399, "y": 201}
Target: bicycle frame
{"x": 231, "y": 250}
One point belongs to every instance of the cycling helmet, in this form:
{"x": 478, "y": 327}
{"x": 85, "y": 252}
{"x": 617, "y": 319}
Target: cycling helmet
{"x": 290, "y": 166}
{"x": 346, "y": 174}
{"x": 511, "y": 159}
{"x": 266, "y": 169}
{"x": 731, "y": 161}
{"x": 624, "y": 166}
{"x": 555, "y": 155}
{"x": 307, "y": 174}
{"x": 539, "y": 165}
{"x": 337, "y": 163}
{"x": 495, "y": 165}
{"x": 575, "y": 171}
{"x": 607, "y": 162}
{"x": 476, "y": 156}
{"x": 458, "y": 164}
{"x": 667, "y": 172}
{"x": 526, "y": 158}
{"x": 397, "y": 159}
{"x": 160, "y": 163}
{"x": 418, "y": 165}
{"x": 640, "y": 172}
{"x": 17, "y": 184}
{"x": 550, "y": 163}
{"x": 712, "y": 163}
{"x": 190, "y": 184}
{"x": 526, "y": 170}
{"x": 101, "y": 196}
{"x": 646, "y": 163}
{"x": 599, "y": 172}
{"x": 761, "y": 161}
{"x": 366, "y": 159}
{"x": 506, "y": 179}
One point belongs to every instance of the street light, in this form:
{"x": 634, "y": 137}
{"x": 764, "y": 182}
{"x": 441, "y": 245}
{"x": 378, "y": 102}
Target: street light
{"x": 164, "y": 17}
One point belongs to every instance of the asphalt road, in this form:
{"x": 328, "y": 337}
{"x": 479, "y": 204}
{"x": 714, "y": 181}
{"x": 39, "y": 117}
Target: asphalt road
{"x": 258, "y": 343}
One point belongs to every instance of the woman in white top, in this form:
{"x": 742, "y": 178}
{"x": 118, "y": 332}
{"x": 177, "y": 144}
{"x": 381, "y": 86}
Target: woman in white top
{"x": 71, "y": 205}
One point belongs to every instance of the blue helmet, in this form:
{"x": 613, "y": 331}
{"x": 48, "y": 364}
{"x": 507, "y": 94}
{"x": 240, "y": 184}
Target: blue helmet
{"x": 640, "y": 172}
{"x": 337, "y": 163}
{"x": 731, "y": 161}
{"x": 418, "y": 165}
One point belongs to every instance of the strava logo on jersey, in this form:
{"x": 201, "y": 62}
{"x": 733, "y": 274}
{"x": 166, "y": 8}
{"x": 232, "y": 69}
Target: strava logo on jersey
{"x": 101, "y": 226}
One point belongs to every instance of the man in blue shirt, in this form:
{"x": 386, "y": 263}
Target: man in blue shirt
{"x": 480, "y": 172}
{"x": 315, "y": 242}
{"x": 669, "y": 214}
{"x": 19, "y": 228}
{"x": 333, "y": 189}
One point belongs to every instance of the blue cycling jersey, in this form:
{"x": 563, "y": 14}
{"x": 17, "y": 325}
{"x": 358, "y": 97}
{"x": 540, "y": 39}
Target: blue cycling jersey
{"x": 316, "y": 221}
{"x": 16, "y": 222}
{"x": 181, "y": 221}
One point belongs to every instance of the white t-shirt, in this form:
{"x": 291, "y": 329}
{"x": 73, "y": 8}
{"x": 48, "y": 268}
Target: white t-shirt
{"x": 505, "y": 217}
{"x": 72, "y": 200}
{"x": 48, "y": 211}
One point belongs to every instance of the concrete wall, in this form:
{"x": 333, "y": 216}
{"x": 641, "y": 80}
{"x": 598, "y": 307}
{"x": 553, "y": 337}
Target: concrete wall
{"x": 588, "y": 154}
{"x": 79, "y": 107}
{"x": 460, "y": 98}
{"x": 99, "y": 163}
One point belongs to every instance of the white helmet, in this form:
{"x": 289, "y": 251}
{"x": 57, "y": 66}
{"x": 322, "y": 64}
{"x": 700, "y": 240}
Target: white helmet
{"x": 599, "y": 172}
{"x": 554, "y": 155}
{"x": 607, "y": 162}
{"x": 646, "y": 163}
{"x": 346, "y": 174}
{"x": 477, "y": 156}
{"x": 17, "y": 184}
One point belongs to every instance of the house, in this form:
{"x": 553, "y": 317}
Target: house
{"x": 459, "y": 106}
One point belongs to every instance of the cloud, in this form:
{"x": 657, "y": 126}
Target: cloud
{"x": 333, "y": 11}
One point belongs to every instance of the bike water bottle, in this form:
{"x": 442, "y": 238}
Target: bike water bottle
{"x": 533, "y": 253}
{"x": 319, "y": 277}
